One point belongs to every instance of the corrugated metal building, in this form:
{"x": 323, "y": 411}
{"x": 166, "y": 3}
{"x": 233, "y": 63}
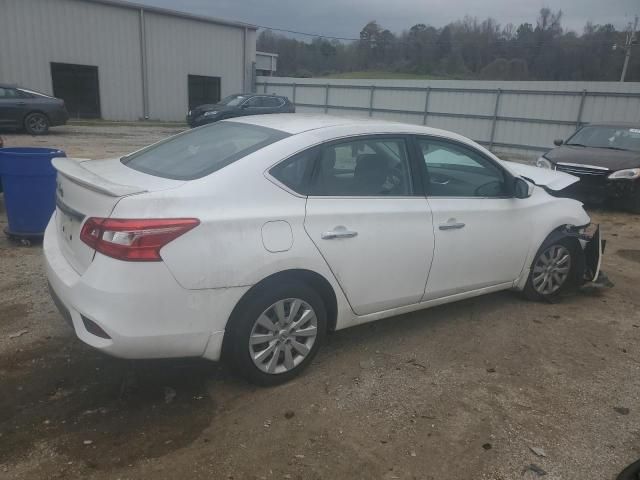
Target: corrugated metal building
{"x": 122, "y": 61}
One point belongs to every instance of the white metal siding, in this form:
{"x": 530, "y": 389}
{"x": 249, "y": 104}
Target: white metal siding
{"x": 177, "y": 48}
{"x": 34, "y": 33}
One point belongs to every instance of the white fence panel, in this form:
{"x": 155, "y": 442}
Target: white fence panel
{"x": 514, "y": 117}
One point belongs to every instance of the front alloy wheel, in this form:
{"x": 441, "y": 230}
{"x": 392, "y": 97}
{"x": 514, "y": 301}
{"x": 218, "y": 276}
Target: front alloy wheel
{"x": 283, "y": 335}
{"x": 551, "y": 270}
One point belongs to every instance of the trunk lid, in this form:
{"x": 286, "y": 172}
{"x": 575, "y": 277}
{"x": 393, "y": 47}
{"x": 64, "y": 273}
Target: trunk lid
{"x": 92, "y": 188}
{"x": 543, "y": 177}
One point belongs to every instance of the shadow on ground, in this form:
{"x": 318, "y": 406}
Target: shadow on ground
{"x": 99, "y": 410}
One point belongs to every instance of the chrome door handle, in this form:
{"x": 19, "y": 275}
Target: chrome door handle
{"x": 338, "y": 232}
{"x": 451, "y": 226}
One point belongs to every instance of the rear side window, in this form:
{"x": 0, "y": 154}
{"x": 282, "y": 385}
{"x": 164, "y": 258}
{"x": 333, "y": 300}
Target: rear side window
{"x": 295, "y": 172}
{"x": 201, "y": 151}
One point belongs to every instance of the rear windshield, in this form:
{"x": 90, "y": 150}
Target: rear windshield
{"x": 201, "y": 151}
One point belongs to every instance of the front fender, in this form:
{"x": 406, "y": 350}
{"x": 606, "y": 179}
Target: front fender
{"x": 553, "y": 219}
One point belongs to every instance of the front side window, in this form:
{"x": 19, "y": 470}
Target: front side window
{"x": 201, "y": 151}
{"x": 273, "y": 102}
{"x": 254, "y": 102}
{"x": 456, "y": 171}
{"x": 370, "y": 167}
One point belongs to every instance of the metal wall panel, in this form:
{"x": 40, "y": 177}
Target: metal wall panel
{"x": 349, "y": 97}
{"x": 179, "y": 47}
{"x": 34, "y": 33}
{"x": 462, "y": 102}
{"x": 529, "y": 115}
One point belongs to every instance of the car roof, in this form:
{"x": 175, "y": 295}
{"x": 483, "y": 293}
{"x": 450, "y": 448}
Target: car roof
{"x": 294, "y": 123}
{"x": 258, "y": 95}
{"x": 8, "y": 85}
{"x": 613, "y": 124}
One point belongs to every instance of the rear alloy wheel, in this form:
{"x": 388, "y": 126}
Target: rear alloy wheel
{"x": 283, "y": 336}
{"x": 275, "y": 333}
{"x": 36, "y": 124}
{"x": 552, "y": 271}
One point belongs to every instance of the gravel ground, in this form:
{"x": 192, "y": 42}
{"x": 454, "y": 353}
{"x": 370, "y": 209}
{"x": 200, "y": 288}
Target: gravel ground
{"x": 461, "y": 391}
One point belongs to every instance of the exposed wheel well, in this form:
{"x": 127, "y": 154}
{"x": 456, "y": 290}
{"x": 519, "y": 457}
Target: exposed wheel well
{"x": 312, "y": 279}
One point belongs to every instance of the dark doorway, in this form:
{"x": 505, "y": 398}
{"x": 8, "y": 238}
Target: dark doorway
{"x": 78, "y": 86}
{"x": 203, "y": 90}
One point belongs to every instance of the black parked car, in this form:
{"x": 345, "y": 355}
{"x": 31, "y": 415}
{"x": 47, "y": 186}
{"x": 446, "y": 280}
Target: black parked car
{"x": 606, "y": 157}
{"x": 35, "y": 112}
{"x": 239, "y": 105}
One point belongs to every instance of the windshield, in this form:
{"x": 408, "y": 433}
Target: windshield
{"x": 616, "y": 138}
{"x": 233, "y": 100}
{"x": 201, "y": 151}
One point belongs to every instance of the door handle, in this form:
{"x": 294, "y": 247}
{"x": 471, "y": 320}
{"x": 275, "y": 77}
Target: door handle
{"x": 338, "y": 232}
{"x": 451, "y": 226}
{"x": 22, "y": 103}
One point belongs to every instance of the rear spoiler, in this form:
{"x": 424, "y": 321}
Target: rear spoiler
{"x": 72, "y": 169}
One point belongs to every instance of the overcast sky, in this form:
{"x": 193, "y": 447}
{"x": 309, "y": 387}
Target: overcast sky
{"x": 345, "y": 18}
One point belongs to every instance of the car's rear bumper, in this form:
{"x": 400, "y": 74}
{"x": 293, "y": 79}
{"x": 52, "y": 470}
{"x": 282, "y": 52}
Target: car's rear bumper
{"x": 139, "y": 305}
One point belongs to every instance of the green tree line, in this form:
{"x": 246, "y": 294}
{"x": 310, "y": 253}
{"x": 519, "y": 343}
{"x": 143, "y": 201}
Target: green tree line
{"x": 468, "y": 48}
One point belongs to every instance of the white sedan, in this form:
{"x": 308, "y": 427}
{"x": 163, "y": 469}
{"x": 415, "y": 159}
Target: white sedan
{"x": 251, "y": 238}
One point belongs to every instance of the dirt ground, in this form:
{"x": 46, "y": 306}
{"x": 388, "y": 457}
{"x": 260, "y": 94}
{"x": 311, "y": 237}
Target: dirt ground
{"x": 462, "y": 391}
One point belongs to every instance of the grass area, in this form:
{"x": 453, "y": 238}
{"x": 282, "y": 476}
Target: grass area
{"x": 385, "y": 75}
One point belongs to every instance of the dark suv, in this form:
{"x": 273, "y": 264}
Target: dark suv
{"x": 33, "y": 111}
{"x": 239, "y": 105}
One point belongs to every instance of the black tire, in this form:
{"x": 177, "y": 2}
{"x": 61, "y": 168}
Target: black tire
{"x": 236, "y": 349}
{"x": 533, "y": 292}
{"x": 36, "y": 123}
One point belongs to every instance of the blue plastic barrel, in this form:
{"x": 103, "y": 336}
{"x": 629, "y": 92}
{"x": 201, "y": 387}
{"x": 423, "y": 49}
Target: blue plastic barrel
{"x": 29, "y": 184}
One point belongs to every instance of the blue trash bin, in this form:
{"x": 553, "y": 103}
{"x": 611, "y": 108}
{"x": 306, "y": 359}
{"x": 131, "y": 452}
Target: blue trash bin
{"x": 29, "y": 183}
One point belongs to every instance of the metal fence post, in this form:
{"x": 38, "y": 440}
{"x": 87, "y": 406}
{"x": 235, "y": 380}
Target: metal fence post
{"x": 373, "y": 89}
{"x": 265, "y": 87}
{"x": 580, "y": 108}
{"x": 326, "y": 99}
{"x": 426, "y": 106}
{"x": 495, "y": 118}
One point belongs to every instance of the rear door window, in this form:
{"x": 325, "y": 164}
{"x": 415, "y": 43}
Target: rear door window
{"x": 201, "y": 151}
{"x": 374, "y": 166}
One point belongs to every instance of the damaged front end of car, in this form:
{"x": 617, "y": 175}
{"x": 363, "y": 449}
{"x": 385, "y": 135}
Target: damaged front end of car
{"x": 589, "y": 272}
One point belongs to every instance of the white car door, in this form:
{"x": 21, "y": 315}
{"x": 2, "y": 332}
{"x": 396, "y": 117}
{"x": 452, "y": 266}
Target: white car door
{"x": 482, "y": 233}
{"x": 370, "y": 223}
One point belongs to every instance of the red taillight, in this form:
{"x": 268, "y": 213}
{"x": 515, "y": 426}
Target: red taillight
{"x": 134, "y": 240}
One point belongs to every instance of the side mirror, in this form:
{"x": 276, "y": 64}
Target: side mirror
{"x": 522, "y": 188}
{"x": 244, "y": 105}
{"x": 558, "y": 141}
